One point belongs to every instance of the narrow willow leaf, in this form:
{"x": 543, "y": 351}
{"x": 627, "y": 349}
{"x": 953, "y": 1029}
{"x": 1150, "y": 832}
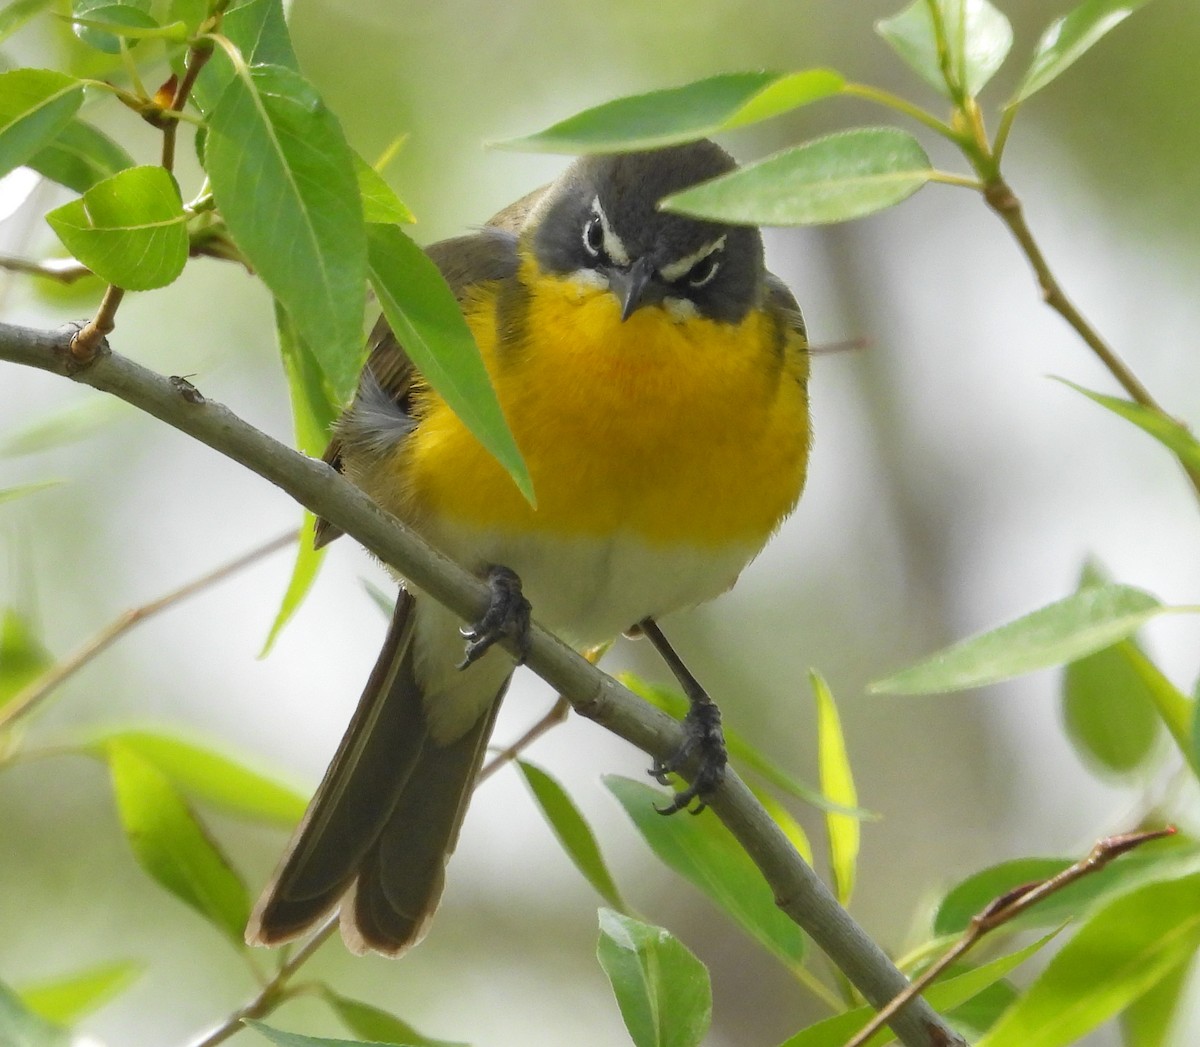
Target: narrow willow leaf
{"x": 8, "y": 494}
{"x": 704, "y": 852}
{"x": 284, "y": 180}
{"x": 837, "y": 783}
{"x": 662, "y": 989}
{"x": 422, "y": 311}
{"x": 21, "y": 1027}
{"x": 65, "y": 1000}
{"x": 1107, "y": 708}
{"x": 79, "y": 157}
{"x": 1151, "y": 1020}
{"x": 258, "y": 31}
{"x": 172, "y": 847}
{"x": 1164, "y": 859}
{"x": 975, "y": 1017}
{"x": 741, "y": 751}
{"x": 978, "y": 39}
{"x": 22, "y": 657}
{"x": 35, "y": 105}
{"x": 17, "y": 13}
{"x": 1121, "y": 952}
{"x": 1068, "y": 38}
{"x": 1174, "y": 708}
{"x": 1168, "y": 432}
{"x": 101, "y": 24}
{"x": 129, "y": 229}
{"x": 369, "y": 1022}
{"x": 1074, "y": 627}
{"x": 295, "y": 1039}
{"x": 573, "y": 832}
{"x": 210, "y": 777}
{"x": 380, "y": 202}
{"x": 832, "y": 179}
{"x": 304, "y": 574}
{"x": 943, "y": 995}
{"x": 682, "y": 114}
{"x": 386, "y": 602}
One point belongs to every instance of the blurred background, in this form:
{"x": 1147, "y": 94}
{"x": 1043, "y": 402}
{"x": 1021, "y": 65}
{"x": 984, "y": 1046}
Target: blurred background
{"x": 953, "y": 487}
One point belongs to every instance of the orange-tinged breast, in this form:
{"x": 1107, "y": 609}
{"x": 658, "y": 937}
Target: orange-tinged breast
{"x": 679, "y": 432}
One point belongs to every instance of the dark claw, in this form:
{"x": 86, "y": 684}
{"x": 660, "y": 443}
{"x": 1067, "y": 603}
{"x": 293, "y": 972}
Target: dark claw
{"x": 704, "y": 739}
{"x": 507, "y": 615}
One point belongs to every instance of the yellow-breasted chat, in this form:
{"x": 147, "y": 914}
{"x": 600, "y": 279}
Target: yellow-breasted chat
{"x": 654, "y": 376}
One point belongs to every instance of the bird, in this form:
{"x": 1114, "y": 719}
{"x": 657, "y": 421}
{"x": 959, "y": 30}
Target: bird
{"x": 654, "y": 375}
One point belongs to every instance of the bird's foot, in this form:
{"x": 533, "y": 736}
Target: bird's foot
{"x": 703, "y": 739}
{"x": 507, "y": 615}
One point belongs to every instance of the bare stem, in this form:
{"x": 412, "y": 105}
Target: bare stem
{"x": 35, "y": 693}
{"x": 556, "y": 715}
{"x": 197, "y": 57}
{"x": 87, "y": 341}
{"x": 64, "y": 270}
{"x": 1005, "y": 908}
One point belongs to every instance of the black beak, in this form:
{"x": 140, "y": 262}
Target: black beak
{"x": 631, "y": 286}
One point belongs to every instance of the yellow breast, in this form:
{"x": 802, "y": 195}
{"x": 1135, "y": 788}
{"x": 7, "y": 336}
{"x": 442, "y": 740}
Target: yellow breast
{"x": 688, "y": 432}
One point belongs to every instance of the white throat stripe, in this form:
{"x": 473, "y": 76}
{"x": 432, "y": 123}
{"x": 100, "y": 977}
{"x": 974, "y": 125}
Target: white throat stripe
{"x": 683, "y": 266}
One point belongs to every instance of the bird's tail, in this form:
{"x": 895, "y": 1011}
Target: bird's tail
{"x": 385, "y": 818}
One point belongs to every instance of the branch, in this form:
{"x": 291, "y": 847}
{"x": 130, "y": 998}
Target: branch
{"x": 798, "y": 890}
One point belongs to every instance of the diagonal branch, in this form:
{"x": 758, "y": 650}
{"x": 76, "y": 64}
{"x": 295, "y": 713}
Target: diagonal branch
{"x": 594, "y": 694}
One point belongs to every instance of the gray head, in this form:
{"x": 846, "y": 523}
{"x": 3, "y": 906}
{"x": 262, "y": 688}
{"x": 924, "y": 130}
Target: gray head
{"x": 600, "y": 220}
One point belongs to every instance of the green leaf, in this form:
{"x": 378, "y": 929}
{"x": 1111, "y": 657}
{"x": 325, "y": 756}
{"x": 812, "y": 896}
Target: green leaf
{"x": 1079, "y": 625}
{"x": 704, "y": 852}
{"x": 79, "y": 157}
{"x": 662, "y": 989}
{"x": 8, "y": 494}
{"x": 35, "y": 105}
{"x": 973, "y": 1018}
{"x": 1068, "y": 38}
{"x": 385, "y": 602}
{"x": 944, "y": 995}
{"x": 1107, "y": 707}
{"x": 102, "y": 23}
{"x": 741, "y": 752}
{"x": 978, "y": 38}
{"x": 422, "y": 311}
{"x": 258, "y": 31}
{"x": 380, "y": 202}
{"x": 210, "y": 777}
{"x": 1122, "y": 951}
{"x": 370, "y": 1023}
{"x": 831, "y": 179}
{"x": 1170, "y": 433}
{"x": 22, "y": 657}
{"x": 284, "y": 180}
{"x": 21, "y": 1027}
{"x": 837, "y": 783}
{"x": 682, "y": 114}
{"x": 1151, "y": 1019}
{"x": 76, "y": 421}
{"x": 295, "y": 1039}
{"x": 1164, "y": 859}
{"x": 67, "y": 999}
{"x": 304, "y": 573}
{"x": 172, "y": 847}
{"x": 129, "y": 229}
{"x": 17, "y": 13}
{"x": 573, "y": 832}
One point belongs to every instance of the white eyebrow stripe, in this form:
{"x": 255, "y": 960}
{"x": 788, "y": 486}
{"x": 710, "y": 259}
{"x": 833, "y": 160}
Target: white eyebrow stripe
{"x": 680, "y": 268}
{"x": 613, "y": 247}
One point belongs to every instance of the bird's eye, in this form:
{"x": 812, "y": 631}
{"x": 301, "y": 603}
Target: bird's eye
{"x": 593, "y": 237}
{"x": 703, "y": 271}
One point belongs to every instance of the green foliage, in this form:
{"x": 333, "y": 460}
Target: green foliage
{"x": 66, "y": 999}
{"x": 954, "y": 45}
{"x": 295, "y": 1039}
{"x": 660, "y": 986}
{"x": 20, "y": 1026}
{"x": 35, "y": 105}
{"x": 837, "y": 783}
{"x": 22, "y": 657}
{"x": 573, "y": 832}
{"x": 369, "y": 1022}
{"x": 129, "y": 229}
{"x": 79, "y": 157}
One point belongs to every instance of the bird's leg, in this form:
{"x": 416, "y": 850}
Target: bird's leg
{"x": 702, "y": 732}
{"x": 507, "y": 615}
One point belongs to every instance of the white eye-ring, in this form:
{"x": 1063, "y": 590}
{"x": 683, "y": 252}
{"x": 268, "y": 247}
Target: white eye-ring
{"x": 703, "y": 271}
{"x": 593, "y": 236}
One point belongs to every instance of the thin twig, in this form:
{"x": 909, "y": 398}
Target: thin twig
{"x": 556, "y": 715}
{"x": 1005, "y": 908}
{"x": 64, "y": 270}
{"x": 89, "y": 338}
{"x": 197, "y": 57}
{"x": 35, "y": 693}
{"x": 271, "y": 994}
{"x": 798, "y": 890}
